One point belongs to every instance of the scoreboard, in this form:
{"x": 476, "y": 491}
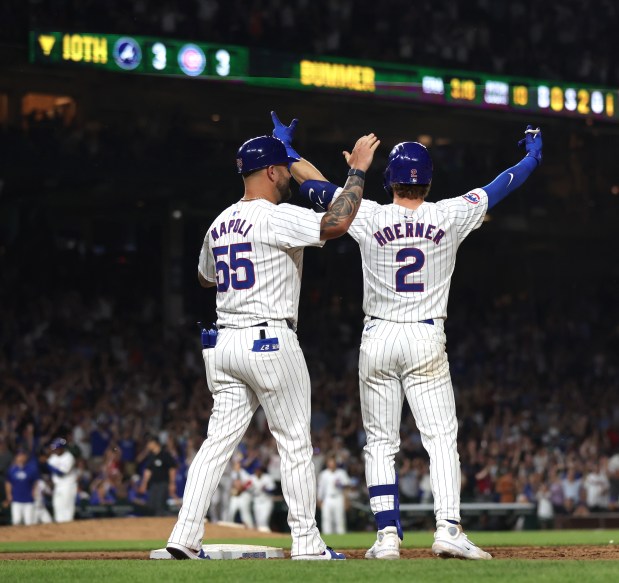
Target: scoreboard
{"x": 139, "y": 54}
{"x": 254, "y": 67}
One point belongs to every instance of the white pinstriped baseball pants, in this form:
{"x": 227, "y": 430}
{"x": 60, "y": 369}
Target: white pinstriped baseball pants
{"x": 240, "y": 380}
{"x": 409, "y": 360}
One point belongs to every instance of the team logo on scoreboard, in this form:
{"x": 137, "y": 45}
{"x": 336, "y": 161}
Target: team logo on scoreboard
{"x": 471, "y": 197}
{"x": 414, "y": 175}
{"x": 127, "y": 53}
{"x": 191, "y": 60}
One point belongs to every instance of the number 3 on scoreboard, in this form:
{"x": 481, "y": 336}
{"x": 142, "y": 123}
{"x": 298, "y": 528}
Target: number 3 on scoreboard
{"x": 419, "y": 259}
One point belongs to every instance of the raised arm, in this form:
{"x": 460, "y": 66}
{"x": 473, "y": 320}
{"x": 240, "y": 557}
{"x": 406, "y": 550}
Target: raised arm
{"x": 300, "y": 169}
{"x": 515, "y": 176}
{"x": 342, "y": 212}
{"x": 336, "y": 221}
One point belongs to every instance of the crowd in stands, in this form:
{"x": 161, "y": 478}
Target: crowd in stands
{"x": 535, "y": 381}
{"x": 557, "y": 39}
{"x": 83, "y": 354}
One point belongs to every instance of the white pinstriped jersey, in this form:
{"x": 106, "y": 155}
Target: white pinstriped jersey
{"x": 254, "y": 252}
{"x": 408, "y": 256}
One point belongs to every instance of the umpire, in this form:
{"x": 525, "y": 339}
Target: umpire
{"x": 159, "y": 480}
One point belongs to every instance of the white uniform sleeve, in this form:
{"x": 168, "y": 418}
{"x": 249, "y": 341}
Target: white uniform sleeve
{"x": 63, "y": 463}
{"x": 295, "y": 227}
{"x": 467, "y": 211}
{"x": 206, "y": 263}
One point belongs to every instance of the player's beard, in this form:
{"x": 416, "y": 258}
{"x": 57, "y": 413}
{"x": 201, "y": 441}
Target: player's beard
{"x": 283, "y": 187}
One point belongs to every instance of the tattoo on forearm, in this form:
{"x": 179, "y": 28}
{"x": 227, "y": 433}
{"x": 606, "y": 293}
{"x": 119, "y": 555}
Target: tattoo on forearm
{"x": 346, "y": 205}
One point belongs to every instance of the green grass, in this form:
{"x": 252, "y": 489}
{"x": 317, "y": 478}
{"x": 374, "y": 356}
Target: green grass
{"x": 418, "y": 571}
{"x": 409, "y": 571}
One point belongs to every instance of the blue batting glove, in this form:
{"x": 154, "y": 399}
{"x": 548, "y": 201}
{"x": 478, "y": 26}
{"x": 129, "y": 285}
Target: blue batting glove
{"x": 285, "y": 134}
{"x": 318, "y": 192}
{"x": 532, "y": 142}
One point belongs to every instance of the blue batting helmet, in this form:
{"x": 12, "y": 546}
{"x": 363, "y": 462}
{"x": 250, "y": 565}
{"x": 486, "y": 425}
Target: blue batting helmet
{"x": 261, "y": 152}
{"x": 58, "y": 443}
{"x": 408, "y": 163}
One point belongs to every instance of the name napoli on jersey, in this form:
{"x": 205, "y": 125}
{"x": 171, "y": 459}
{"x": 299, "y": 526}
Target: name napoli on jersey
{"x": 409, "y": 229}
{"x": 233, "y": 226}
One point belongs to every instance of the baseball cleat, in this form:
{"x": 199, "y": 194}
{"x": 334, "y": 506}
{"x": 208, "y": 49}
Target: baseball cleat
{"x": 327, "y": 555}
{"x": 451, "y": 542}
{"x": 387, "y": 545}
{"x": 182, "y": 553}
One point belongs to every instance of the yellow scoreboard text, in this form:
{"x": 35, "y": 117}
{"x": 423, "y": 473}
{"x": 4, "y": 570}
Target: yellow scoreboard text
{"x": 338, "y": 76}
{"x": 84, "y": 48}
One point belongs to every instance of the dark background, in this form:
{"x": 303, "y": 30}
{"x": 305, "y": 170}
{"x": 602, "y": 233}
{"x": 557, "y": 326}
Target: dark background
{"x": 105, "y": 198}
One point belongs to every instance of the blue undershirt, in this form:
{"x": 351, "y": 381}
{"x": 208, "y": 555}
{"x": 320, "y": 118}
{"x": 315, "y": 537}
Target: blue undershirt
{"x": 509, "y": 180}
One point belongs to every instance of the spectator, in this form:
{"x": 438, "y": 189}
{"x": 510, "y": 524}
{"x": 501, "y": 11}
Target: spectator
{"x": 425, "y": 487}
{"x": 240, "y": 498}
{"x": 262, "y": 490}
{"x": 571, "y": 490}
{"x": 545, "y": 510}
{"x": 505, "y": 486}
{"x": 20, "y": 485}
{"x": 596, "y": 486}
{"x": 331, "y": 495}
{"x": 613, "y": 479}
{"x": 409, "y": 481}
{"x": 62, "y": 465}
{"x": 557, "y": 495}
{"x": 42, "y": 492}
{"x": 159, "y": 476}
{"x": 218, "y": 510}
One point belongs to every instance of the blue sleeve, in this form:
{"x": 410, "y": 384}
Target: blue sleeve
{"x": 509, "y": 180}
{"x": 55, "y": 471}
{"x": 318, "y": 192}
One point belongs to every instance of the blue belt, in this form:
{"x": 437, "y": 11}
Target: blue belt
{"x": 428, "y": 321}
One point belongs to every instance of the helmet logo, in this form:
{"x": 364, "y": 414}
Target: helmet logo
{"x": 239, "y": 164}
{"x": 414, "y": 175}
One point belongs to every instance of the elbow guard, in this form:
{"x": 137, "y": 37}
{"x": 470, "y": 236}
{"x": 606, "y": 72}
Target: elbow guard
{"x": 318, "y": 192}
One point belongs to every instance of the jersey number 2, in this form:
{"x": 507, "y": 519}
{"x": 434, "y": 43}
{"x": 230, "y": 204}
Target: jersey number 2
{"x": 237, "y": 266}
{"x": 400, "y": 275}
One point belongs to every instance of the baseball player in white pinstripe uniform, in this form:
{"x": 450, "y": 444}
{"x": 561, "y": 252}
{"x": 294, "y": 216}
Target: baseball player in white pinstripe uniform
{"x": 408, "y": 251}
{"x": 253, "y": 254}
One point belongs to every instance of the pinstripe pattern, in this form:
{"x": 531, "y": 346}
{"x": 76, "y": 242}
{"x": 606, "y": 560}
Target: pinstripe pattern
{"x": 455, "y": 217}
{"x": 241, "y": 379}
{"x": 278, "y": 235}
{"x": 401, "y": 357}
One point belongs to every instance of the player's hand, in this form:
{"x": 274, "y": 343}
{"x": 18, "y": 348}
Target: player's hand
{"x": 283, "y": 132}
{"x": 286, "y": 134}
{"x": 532, "y": 142}
{"x": 363, "y": 153}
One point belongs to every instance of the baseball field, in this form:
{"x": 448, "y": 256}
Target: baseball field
{"x": 118, "y": 550}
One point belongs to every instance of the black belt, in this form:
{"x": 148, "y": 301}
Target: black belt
{"x": 262, "y": 325}
{"x": 428, "y": 321}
